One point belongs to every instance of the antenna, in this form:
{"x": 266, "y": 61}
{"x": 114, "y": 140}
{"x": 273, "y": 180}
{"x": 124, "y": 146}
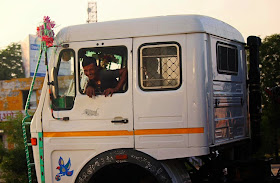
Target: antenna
{"x": 92, "y": 12}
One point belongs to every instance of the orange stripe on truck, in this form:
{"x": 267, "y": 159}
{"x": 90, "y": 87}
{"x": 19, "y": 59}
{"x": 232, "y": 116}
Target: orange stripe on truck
{"x": 88, "y": 133}
{"x": 169, "y": 131}
{"x": 125, "y": 133}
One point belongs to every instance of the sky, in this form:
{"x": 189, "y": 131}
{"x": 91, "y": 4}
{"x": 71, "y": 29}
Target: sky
{"x": 19, "y": 18}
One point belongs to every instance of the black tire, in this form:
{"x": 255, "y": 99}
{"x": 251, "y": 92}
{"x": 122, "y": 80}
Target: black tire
{"x": 126, "y": 156}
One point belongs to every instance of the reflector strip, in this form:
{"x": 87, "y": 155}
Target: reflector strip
{"x": 126, "y": 133}
{"x": 33, "y": 141}
{"x": 121, "y": 157}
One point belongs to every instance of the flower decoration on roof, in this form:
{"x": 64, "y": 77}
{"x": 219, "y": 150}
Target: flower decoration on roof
{"x": 45, "y": 31}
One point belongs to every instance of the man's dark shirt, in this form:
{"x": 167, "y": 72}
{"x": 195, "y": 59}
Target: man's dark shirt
{"x": 107, "y": 79}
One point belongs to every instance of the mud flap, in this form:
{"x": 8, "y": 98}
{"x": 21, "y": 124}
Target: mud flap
{"x": 177, "y": 171}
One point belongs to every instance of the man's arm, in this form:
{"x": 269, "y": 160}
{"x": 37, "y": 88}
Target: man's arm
{"x": 122, "y": 81}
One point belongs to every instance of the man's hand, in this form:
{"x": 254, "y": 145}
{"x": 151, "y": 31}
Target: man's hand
{"x": 90, "y": 91}
{"x": 109, "y": 91}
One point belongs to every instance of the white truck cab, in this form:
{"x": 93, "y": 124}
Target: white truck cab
{"x": 185, "y": 95}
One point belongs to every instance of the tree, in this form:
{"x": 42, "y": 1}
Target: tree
{"x": 270, "y": 79}
{"x": 13, "y": 161}
{"x": 11, "y": 65}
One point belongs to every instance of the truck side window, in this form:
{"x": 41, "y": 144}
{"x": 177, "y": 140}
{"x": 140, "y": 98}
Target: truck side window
{"x": 65, "y": 77}
{"x": 107, "y": 58}
{"x": 227, "y": 59}
{"x": 160, "y": 66}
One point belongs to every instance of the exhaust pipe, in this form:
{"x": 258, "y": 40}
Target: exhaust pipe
{"x": 254, "y": 91}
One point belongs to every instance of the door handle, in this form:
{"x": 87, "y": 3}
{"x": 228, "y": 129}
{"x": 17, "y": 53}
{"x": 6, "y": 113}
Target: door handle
{"x": 119, "y": 120}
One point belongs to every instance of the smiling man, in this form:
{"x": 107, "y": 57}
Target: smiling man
{"x": 103, "y": 81}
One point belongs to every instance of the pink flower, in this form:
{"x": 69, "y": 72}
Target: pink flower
{"x": 46, "y": 19}
{"x": 48, "y": 40}
{"x": 45, "y": 31}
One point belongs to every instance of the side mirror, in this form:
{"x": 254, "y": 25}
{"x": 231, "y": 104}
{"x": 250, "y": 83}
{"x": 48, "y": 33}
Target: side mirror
{"x": 54, "y": 83}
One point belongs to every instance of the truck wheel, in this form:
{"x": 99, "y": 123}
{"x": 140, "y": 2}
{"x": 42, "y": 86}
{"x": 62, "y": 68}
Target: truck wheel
{"x": 123, "y": 164}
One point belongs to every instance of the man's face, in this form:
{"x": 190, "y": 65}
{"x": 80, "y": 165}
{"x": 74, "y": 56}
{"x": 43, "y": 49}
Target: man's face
{"x": 90, "y": 71}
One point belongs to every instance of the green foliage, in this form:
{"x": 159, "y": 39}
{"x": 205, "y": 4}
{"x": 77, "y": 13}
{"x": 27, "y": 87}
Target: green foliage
{"x": 11, "y": 65}
{"x": 270, "y": 61}
{"x": 13, "y": 164}
{"x": 270, "y": 77}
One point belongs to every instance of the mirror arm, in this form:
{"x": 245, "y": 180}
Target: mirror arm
{"x": 51, "y": 83}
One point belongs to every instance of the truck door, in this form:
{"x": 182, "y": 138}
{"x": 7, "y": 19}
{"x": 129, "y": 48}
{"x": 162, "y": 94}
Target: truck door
{"x": 80, "y": 124}
{"x": 158, "y": 92}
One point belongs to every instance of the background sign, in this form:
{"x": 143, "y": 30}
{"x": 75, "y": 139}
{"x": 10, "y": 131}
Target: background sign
{"x": 30, "y": 54}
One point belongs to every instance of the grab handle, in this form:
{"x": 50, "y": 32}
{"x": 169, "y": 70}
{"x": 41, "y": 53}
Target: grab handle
{"x": 119, "y": 120}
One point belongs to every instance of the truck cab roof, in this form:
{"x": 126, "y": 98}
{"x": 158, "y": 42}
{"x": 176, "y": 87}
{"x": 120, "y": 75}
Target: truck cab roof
{"x": 151, "y": 26}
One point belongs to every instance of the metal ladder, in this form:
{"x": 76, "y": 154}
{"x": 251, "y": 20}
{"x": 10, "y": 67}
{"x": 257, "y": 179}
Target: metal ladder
{"x": 27, "y": 145}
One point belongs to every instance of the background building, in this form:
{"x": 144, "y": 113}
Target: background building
{"x": 13, "y": 96}
{"x": 30, "y": 48}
